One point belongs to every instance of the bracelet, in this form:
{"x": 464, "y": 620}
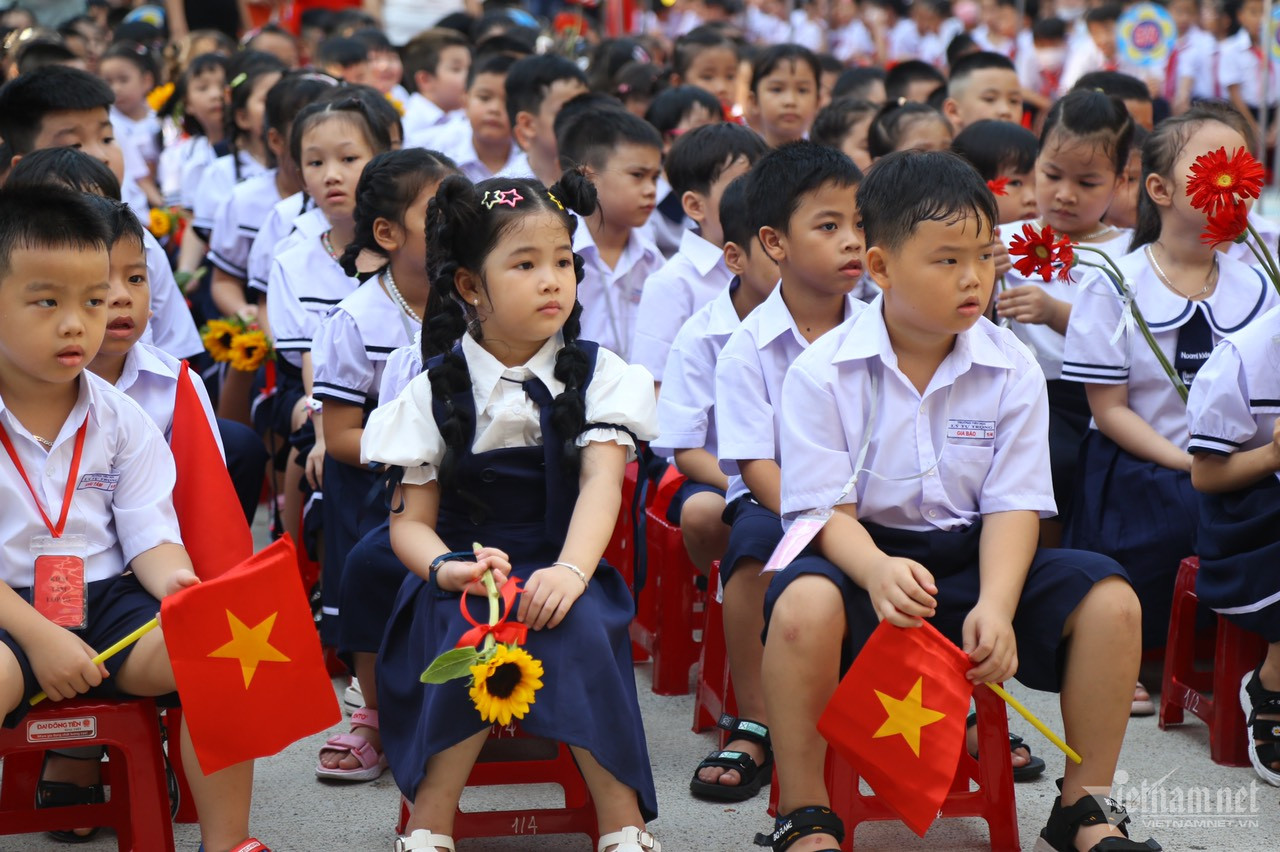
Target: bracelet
{"x": 575, "y": 569}
{"x": 458, "y": 555}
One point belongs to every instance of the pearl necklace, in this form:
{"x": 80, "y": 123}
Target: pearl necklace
{"x": 1164, "y": 279}
{"x": 389, "y": 281}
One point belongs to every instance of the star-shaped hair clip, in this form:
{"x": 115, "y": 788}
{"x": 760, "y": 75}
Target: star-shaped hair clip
{"x": 554, "y": 200}
{"x": 508, "y": 197}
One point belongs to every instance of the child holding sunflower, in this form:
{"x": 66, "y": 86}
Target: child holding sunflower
{"x": 516, "y": 436}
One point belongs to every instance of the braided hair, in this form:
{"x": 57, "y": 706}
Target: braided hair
{"x": 461, "y": 232}
{"x": 389, "y": 184}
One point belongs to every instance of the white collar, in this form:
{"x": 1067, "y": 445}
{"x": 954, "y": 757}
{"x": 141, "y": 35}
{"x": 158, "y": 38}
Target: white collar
{"x": 639, "y": 244}
{"x": 723, "y": 317}
{"x": 1240, "y": 296}
{"x": 868, "y": 337}
{"x": 86, "y": 405}
{"x": 702, "y": 253}
{"x": 143, "y": 358}
{"x": 486, "y": 371}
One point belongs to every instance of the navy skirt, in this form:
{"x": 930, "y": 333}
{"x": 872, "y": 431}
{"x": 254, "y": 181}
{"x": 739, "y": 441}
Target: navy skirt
{"x": 1239, "y": 545}
{"x": 1057, "y": 582}
{"x": 349, "y": 493}
{"x": 370, "y": 582}
{"x": 588, "y": 698}
{"x": 754, "y": 534}
{"x": 1068, "y": 424}
{"x": 1140, "y": 514}
{"x": 687, "y": 489}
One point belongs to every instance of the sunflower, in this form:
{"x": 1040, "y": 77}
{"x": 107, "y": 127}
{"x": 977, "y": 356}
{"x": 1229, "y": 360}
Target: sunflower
{"x": 248, "y": 350}
{"x": 159, "y": 96}
{"x": 217, "y": 337}
{"x": 503, "y": 686}
{"x": 998, "y": 186}
{"x": 1216, "y": 181}
{"x": 1228, "y": 225}
{"x": 160, "y": 223}
{"x": 1039, "y": 253}
{"x": 395, "y": 104}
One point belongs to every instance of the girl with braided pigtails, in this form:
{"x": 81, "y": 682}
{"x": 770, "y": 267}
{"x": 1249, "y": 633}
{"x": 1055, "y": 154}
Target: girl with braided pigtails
{"x": 515, "y": 437}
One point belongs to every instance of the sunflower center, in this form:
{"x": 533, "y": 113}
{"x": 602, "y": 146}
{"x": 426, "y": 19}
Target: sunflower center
{"x": 1225, "y": 180}
{"x": 503, "y": 681}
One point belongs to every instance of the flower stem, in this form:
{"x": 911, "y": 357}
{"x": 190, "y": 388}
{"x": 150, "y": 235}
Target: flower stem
{"x": 492, "y": 588}
{"x": 1268, "y": 261}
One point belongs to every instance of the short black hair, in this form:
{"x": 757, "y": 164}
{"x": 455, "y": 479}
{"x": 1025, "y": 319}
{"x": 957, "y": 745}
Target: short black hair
{"x": 901, "y": 76}
{"x": 48, "y": 218}
{"x": 587, "y": 102}
{"x": 491, "y": 63}
{"x": 531, "y": 78}
{"x": 119, "y": 219}
{"x": 781, "y": 178}
{"x": 768, "y": 60}
{"x": 695, "y": 42}
{"x": 836, "y": 119}
{"x": 971, "y": 63}
{"x": 1108, "y": 13}
{"x": 892, "y": 122}
{"x": 137, "y": 55}
{"x": 959, "y": 47}
{"x": 41, "y": 54}
{"x": 993, "y": 146}
{"x": 337, "y": 50}
{"x": 1054, "y": 29}
{"x": 699, "y": 157}
{"x": 855, "y": 82}
{"x": 906, "y": 188}
{"x": 671, "y": 106}
{"x": 829, "y": 64}
{"x": 588, "y": 138}
{"x": 1115, "y": 83}
{"x": 26, "y": 100}
{"x": 65, "y": 166}
{"x": 424, "y": 50}
{"x": 735, "y": 219}
{"x": 1093, "y": 115}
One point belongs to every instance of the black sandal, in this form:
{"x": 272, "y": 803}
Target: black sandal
{"x": 1060, "y": 833}
{"x": 1255, "y": 699}
{"x": 801, "y": 823}
{"x": 1034, "y": 766}
{"x": 62, "y": 794}
{"x": 751, "y": 776}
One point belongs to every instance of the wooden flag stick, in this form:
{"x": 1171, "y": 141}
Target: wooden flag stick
{"x": 110, "y": 652}
{"x": 1036, "y": 723}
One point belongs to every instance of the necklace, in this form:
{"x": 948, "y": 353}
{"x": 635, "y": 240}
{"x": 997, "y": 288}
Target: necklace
{"x": 45, "y": 442}
{"x": 328, "y": 245}
{"x": 1210, "y": 279}
{"x": 1092, "y": 235}
{"x": 389, "y": 280}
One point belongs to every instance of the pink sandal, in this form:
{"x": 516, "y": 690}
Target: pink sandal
{"x": 372, "y": 761}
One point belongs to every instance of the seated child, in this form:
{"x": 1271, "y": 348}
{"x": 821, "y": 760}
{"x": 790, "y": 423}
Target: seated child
{"x": 484, "y": 147}
{"x": 707, "y": 57}
{"x": 918, "y": 358}
{"x": 843, "y": 125}
{"x": 1003, "y": 150}
{"x": 784, "y": 92}
{"x": 536, "y": 88}
{"x": 436, "y": 63}
{"x": 908, "y": 126}
{"x": 673, "y": 113}
{"x": 54, "y": 248}
{"x": 982, "y": 85}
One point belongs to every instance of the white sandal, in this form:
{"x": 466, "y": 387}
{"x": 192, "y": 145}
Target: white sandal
{"x": 423, "y": 839}
{"x": 630, "y": 839}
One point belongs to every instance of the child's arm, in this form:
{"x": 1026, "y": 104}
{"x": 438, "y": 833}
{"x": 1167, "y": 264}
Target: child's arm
{"x": 1215, "y": 474}
{"x": 315, "y": 459}
{"x": 1029, "y": 303}
{"x": 228, "y": 295}
{"x": 1236, "y": 96}
{"x": 764, "y": 478}
{"x": 61, "y": 662}
{"x": 1119, "y": 422}
{"x": 901, "y": 590}
{"x": 414, "y": 540}
{"x": 700, "y": 466}
{"x": 164, "y": 569}
{"x": 1005, "y": 550}
{"x": 343, "y": 425}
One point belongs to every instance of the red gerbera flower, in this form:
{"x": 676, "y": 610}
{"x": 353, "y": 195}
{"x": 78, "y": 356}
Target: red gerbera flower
{"x": 1228, "y": 225}
{"x": 998, "y": 186}
{"x": 1217, "y": 181}
{"x": 1039, "y": 253}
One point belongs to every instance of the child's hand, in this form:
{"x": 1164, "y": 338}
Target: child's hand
{"x": 1000, "y": 253}
{"x": 63, "y": 664}
{"x": 1026, "y": 303}
{"x": 179, "y": 580}
{"x": 315, "y": 466}
{"x": 548, "y": 596}
{"x": 990, "y": 644}
{"x": 465, "y": 576}
{"x": 902, "y": 591}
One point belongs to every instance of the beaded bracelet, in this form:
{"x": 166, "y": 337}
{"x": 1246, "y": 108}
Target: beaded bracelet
{"x": 575, "y": 569}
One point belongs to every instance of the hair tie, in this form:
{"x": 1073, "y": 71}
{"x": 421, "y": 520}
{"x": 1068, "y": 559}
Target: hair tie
{"x": 508, "y": 197}
{"x": 238, "y": 79}
{"x": 554, "y": 200}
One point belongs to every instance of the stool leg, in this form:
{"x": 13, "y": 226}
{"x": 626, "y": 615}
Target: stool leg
{"x": 149, "y": 824}
{"x": 1236, "y": 654}
{"x": 995, "y": 771}
{"x": 1180, "y": 652}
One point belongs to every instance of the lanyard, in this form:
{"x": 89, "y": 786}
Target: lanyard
{"x": 71, "y": 477}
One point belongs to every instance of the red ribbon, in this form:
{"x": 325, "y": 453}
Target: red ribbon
{"x": 508, "y": 633}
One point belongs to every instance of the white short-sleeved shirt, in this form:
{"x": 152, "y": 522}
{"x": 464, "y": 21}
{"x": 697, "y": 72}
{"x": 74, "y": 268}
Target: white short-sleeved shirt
{"x": 193, "y": 155}
{"x": 852, "y": 43}
{"x": 979, "y": 433}
{"x": 749, "y": 377}
{"x": 304, "y": 286}
{"x": 687, "y": 398}
{"x": 462, "y": 150}
{"x": 404, "y": 431}
{"x": 611, "y": 297}
{"x": 1240, "y": 63}
{"x": 423, "y": 121}
{"x": 123, "y": 502}
{"x": 694, "y": 276}
{"x": 1040, "y": 338}
{"x": 150, "y": 378}
{"x": 351, "y": 349}
{"x": 1235, "y": 400}
{"x": 217, "y": 183}
{"x": 1241, "y": 296}
{"x": 142, "y": 135}
{"x": 402, "y": 367}
{"x": 1267, "y": 230}
{"x": 238, "y": 222}
{"x": 296, "y": 214}
{"x": 171, "y": 327}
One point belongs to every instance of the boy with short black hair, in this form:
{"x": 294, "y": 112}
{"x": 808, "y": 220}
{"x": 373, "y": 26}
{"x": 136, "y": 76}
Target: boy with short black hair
{"x": 700, "y": 165}
{"x": 436, "y": 65}
{"x": 537, "y": 87}
{"x": 982, "y": 85}
{"x": 1135, "y": 94}
{"x": 344, "y": 58}
{"x": 63, "y": 423}
{"x": 483, "y": 148}
{"x": 913, "y": 80}
{"x": 965, "y": 498}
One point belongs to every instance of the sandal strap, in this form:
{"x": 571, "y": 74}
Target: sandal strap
{"x": 62, "y": 794}
{"x": 422, "y": 838}
{"x": 356, "y": 745}
{"x": 629, "y": 839}
{"x": 365, "y": 717}
{"x": 745, "y": 729}
{"x": 253, "y": 844}
{"x": 802, "y": 822}
{"x": 739, "y": 760}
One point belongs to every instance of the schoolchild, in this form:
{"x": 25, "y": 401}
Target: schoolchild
{"x": 1005, "y": 152}
{"x": 131, "y": 71}
{"x": 388, "y": 252}
{"x": 485, "y": 147}
{"x": 622, "y": 156}
{"x": 673, "y": 113}
{"x": 436, "y": 64}
{"x": 944, "y": 527}
{"x": 687, "y": 398}
{"x": 701, "y": 164}
{"x": 784, "y": 92}
{"x": 907, "y": 126}
{"x": 843, "y": 125}
{"x": 54, "y": 245}
{"x": 801, "y": 199}
{"x": 539, "y": 427}
{"x": 982, "y": 85}
{"x": 197, "y": 104}
{"x": 536, "y": 87}
{"x": 1242, "y": 74}
{"x": 707, "y": 57}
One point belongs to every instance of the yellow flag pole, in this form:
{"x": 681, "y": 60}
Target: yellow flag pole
{"x": 1039, "y": 726}
{"x": 111, "y": 652}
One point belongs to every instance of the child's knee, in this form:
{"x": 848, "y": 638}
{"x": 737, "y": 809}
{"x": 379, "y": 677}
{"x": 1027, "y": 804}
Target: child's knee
{"x": 11, "y": 682}
{"x": 1113, "y": 602}
{"x": 808, "y": 609}
{"x": 701, "y": 516}
{"x": 148, "y": 670}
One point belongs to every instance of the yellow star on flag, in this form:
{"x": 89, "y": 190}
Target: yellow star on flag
{"x": 250, "y": 645}
{"x": 907, "y": 716}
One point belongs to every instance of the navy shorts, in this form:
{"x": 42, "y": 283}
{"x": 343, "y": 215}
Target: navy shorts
{"x": 754, "y": 533}
{"x": 117, "y": 607}
{"x": 687, "y": 489}
{"x": 1057, "y": 582}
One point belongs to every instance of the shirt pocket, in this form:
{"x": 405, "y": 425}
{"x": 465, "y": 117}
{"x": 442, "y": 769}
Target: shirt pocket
{"x": 963, "y": 470}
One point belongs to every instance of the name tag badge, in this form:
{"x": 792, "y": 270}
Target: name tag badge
{"x": 99, "y": 481}
{"x": 971, "y": 430}
{"x": 58, "y": 592}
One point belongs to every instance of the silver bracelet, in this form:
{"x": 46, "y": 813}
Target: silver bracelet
{"x": 575, "y": 569}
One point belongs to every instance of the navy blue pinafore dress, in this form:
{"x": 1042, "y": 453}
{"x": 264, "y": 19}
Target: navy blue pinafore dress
{"x": 521, "y": 501}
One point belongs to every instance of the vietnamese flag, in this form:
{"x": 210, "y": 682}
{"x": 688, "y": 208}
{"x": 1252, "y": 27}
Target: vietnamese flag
{"x": 898, "y": 717}
{"x": 245, "y": 645}
{"x": 214, "y": 531}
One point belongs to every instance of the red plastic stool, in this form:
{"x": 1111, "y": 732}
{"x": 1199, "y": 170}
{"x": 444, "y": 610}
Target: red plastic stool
{"x": 713, "y": 693}
{"x": 512, "y": 757}
{"x": 993, "y": 801}
{"x": 138, "y": 809}
{"x": 172, "y": 723}
{"x": 1186, "y": 688}
{"x": 666, "y": 622}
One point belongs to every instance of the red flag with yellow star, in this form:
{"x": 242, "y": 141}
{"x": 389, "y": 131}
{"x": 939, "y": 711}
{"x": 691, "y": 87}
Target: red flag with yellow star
{"x": 247, "y": 660}
{"x": 899, "y": 718}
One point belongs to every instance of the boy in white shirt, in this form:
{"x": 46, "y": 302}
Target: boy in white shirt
{"x": 484, "y": 148}
{"x": 982, "y": 85}
{"x": 436, "y": 64}
{"x": 537, "y": 87}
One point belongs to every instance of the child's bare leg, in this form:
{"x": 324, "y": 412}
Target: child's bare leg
{"x": 743, "y": 624}
{"x": 292, "y": 511}
{"x": 706, "y": 535}
{"x": 1105, "y": 636}
{"x": 1269, "y": 674}
{"x": 10, "y": 681}
{"x": 364, "y": 665}
{"x": 616, "y": 803}
{"x": 802, "y": 666}
{"x": 436, "y": 802}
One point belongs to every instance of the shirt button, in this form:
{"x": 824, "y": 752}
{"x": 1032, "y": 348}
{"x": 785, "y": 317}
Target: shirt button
{"x": 933, "y": 514}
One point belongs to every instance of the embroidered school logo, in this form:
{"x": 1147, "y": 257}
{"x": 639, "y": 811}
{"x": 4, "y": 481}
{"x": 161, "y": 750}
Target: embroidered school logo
{"x": 971, "y": 430}
{"x": 99, "y": 481}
